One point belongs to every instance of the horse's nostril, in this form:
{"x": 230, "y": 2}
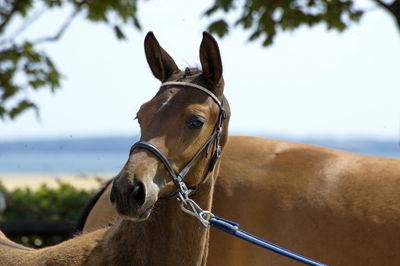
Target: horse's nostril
{"x": 138, "y": 193}
{"x": 113, "y": 195}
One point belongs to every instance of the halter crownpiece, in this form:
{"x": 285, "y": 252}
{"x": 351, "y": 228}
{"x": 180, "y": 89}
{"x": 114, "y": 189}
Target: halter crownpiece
{"x": 192, "y": 85}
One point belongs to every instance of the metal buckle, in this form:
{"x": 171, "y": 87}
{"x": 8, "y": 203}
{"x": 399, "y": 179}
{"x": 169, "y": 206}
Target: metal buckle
{"x": 219, "y": 151}
{"x": 192, "y": 208}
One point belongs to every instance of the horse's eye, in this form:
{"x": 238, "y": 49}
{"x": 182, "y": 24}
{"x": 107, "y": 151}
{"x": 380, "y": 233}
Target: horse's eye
{"x": 195, "y": 123}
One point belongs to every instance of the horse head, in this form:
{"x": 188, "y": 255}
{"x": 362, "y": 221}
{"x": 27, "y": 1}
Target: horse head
{"x": 183, "y": 129}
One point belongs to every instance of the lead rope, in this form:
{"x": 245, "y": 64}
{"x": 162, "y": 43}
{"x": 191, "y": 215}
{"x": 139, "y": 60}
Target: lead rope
{"x": 207, "y": 219}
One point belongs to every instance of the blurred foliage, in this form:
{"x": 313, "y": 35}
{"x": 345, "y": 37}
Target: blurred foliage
{"x": 38, "y": 69}
{"x": 24, "y": 67}
{"x": 263, "y": 19}
{"x": 62, "y": 203}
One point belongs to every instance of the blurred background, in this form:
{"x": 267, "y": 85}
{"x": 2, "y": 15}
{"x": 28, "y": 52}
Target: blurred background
{"x": 319, "y": 72}
{"x": 73, "y": 74}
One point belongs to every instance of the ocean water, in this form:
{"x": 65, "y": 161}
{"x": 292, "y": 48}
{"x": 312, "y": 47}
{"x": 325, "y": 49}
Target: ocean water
{"x": 72, "y": 156}
{"x": 76, "y": 163}
{"x": 108, "y": 155}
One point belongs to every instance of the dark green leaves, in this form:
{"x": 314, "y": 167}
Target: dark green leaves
{"x": 38, "y": 71}
{"x": 23, "y": 67}
{"x": 62, "y": 203}
{"x": 118, "y": 32}
{"x": 20, "y": 107}
{"x": 46, "y": 203}
{"x": 106, "y": 11}
{"x": 220, "y": 27}
{"x": 356, "y": 16}
{"x": 263, "y": 19}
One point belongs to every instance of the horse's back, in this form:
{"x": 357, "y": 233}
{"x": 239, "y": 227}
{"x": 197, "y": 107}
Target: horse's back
{"x": 334, "y": 206}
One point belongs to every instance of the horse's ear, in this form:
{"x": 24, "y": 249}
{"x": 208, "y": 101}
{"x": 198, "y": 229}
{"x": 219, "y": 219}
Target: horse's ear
{"x": 210, "y": 59}
{"x": 161, "y": 63}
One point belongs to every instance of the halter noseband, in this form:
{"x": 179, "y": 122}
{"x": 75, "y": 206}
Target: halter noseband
{"x": 177, "y": 178}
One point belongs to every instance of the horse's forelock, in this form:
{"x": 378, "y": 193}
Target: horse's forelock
{"x": 189, "y": 73}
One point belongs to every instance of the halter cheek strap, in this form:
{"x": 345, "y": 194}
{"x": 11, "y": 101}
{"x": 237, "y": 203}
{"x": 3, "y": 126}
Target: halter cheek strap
{"x": 177, "y": 178}
{"x": 215, "y": 137}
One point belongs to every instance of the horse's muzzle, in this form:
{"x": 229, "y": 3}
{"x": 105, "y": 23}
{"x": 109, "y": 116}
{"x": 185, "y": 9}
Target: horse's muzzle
{"x": 133, "y": 200}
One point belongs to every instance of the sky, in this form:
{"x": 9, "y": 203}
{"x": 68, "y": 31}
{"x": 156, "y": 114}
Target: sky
{"x": 311, "y": 83}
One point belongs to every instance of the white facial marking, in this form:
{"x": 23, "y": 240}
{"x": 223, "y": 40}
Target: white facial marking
{"x": 165, "y": 103}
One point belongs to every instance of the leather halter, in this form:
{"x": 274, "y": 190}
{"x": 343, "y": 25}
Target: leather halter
{"x": 177, "y": 178}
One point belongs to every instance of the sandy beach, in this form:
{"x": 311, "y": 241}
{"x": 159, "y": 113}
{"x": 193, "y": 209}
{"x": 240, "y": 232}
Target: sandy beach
{"x": 13, "y": 181}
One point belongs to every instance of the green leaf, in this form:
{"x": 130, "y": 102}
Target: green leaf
{"x": 211, "y": 10}
{"x": 356, "y": 16}
{"x": 268, "y": 40}
{"x": 3, "y": 112}
{"x": 136, "y": 23}
{"x": 22, "y": 106}
{"x": 28, "y": 47}
{"x": 255, "y": 35}
{"x": 118, "y": 32}
{"x": 226, "y": 5}
{"x": 219, "y": 27}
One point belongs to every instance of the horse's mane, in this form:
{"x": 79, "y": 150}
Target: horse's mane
{"x": 89, "y": 206}
{"x": 189, "y": 72}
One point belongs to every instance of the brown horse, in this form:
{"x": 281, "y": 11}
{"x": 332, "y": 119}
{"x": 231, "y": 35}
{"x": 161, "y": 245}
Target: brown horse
{"x": 177, "y": 122}
{"x": 336, "y": 207}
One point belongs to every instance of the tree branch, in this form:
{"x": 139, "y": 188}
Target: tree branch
{"x": 28, "y": 22}
{"x": 393, "y": 8}
{"x": 8, "y": 16}
{"x": 382, "y": 4}
{"x": 60, "y": 32}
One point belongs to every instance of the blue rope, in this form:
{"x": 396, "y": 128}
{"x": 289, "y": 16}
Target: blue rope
{"x": 233, "y": 229}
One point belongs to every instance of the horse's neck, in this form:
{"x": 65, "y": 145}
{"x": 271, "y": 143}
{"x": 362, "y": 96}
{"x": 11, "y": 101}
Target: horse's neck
{"x": 169, "y": 237}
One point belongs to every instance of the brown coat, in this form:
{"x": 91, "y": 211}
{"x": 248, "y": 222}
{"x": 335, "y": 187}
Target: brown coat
{"x": 337, "y": 207}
